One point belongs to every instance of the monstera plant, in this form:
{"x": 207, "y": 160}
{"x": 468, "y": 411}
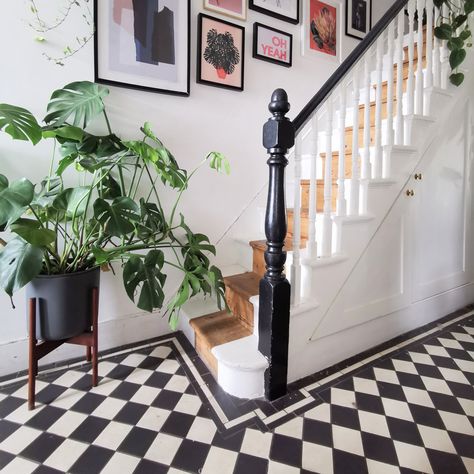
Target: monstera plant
{"x": 453, "y": 27}
{"x": 115, "y": 214}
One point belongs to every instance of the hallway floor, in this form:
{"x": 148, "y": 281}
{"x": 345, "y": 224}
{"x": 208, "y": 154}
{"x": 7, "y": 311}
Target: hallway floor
{"x": 406, "y": 407}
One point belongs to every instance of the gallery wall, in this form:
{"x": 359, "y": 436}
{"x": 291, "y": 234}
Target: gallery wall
{"x": 209, "y": 119}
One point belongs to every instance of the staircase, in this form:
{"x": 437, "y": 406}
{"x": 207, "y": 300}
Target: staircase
{"x": 378, "y": 117}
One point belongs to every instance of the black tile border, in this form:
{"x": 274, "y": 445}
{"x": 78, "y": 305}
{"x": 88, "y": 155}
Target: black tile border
{"x": 255, "y": 413}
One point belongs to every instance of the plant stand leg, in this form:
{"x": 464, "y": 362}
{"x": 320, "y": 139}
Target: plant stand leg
{"x": 32, "y": 360}
{"x": 95, "y": 336}
{"x": 88, "y": 354}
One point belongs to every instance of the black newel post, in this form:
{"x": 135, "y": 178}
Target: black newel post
{"x": 274, "y": 307}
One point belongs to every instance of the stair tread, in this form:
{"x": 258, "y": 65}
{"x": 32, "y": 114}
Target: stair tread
{"x": 245, "y": 284}
{"x": 262, "y": 244}
{"x": 219, "y": 328}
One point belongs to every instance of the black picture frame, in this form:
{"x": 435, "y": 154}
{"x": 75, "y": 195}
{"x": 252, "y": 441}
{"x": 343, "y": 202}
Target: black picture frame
{"x": 199, "y": 71}
{"x": 255, "y": 53}
{"x": 351, "y": 31}
{"x": 279, "y": 16}
{"x": 185, "y": 92}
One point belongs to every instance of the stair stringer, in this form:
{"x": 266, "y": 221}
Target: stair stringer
{"x": 320, "y": 350}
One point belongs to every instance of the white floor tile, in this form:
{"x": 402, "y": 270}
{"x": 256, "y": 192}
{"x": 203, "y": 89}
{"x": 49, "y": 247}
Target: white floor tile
{"x": 457, "y": 423}
{"x": 320, "y": 413}
{"x": 292, "y": 428}
{"x": 388, "y": 376}
{"x": 256, "y": 443}
{"x": 317, "y": 458}
{"x": 189, "y": 404}
{"x": 163, "y": 449}
{"x": 436, "y": 439}
{"x": 66, "y": 455}
{"x": 366, "y": 386}
{"x": 373, "y": 423}
{"x": 139, "y": 376}
{"x": 278, "y": 468}
{"x": 178, "y": 383}
{"x": 467, "y": 406}
{"x": 121, "y": 463}
{"x": 452, "y": 375}
{"x": 405, "y": 366}
{"x": 344, "y": 398}
{"x": 436, "y": 385}
{"x": 413, "y": 457}
{"x": 69, "y": 378}
{"x": 153, "y": 419}
{"x": 219, "y": 460}
{"x": 347, "y": 439}
{"x": 133, "y": 360}
{"x": 418, "y": 397}
{"x": 109, "y": 408}
{"x": 68, "y": 399}
{"x": 376, "y": 467}
{"x": 19, "y": 440}
{"x": 113, "y": 435}
{"x": 397, "y": 409}
{"x": 202, "y": 430}
{"x": 68, "y": 422}
{"x": 145, "y": 395}
{"x": 20, "y": 466}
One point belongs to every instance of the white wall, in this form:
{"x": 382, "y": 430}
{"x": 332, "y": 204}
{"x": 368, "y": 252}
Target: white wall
{"x": 210, "y": 119}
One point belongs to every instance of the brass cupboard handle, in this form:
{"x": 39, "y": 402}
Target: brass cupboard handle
{"x": 410, "y": 192}
{"x": 418, "y": 176}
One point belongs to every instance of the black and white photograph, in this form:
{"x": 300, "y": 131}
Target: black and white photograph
{"x": 286, "y": 10}
{"x": 358, "y": 18}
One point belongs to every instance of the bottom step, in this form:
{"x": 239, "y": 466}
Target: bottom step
{"x": 214, "y": 330}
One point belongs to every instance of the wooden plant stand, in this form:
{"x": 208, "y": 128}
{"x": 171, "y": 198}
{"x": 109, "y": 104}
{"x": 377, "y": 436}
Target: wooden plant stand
{"x": 38, "y": 350}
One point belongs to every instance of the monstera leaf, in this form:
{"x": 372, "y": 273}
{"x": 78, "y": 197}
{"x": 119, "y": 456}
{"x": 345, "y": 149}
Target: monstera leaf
{"x": 118, "y": 217}
{"x": 31, "y": 231}
{"x": 19, "y": 123}
{"x": 79, "y": 101}
{"x": 20, "y": 262}
{"x": 146, "y": 276}
{"x": 72, "y": 201}
{"x": 14, "y": 197}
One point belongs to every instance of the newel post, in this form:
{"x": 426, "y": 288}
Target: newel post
{"x": 274, "y": 306}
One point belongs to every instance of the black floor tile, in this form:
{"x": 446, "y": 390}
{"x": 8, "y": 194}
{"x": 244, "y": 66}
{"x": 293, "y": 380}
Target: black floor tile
{"x": 178, "y": 424}
{"x": 9, "y": 405}
{"x": 46, "y": 418}
{"x": 348, "y": 463}
{"x": 446, "y": 462}
{"x": 89, "y": 429}
{"x": 286, "y": 450}
{"x": 167, "y": 399}
{"x": 125, "y": 391}
{"x": 42, "y": 447}
{"x": 7, "y": 428}
{"x": 92, "y": 460}
{"x": 149, "y": 467}
{"x": 247, "y": 464}
{"x": 137, "y": 441}
{"x": 379, "y": 448}
{"x": 317, "y": 432}
{"x": 5, "y": 458}
{"x": 405, "y": 431}
{"x": 88, "y": 403}
{"x": 131, "y": 413}
{"x": 191, "y": 456}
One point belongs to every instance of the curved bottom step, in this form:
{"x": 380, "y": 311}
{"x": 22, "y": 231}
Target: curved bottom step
{"x": 241, "y": 367}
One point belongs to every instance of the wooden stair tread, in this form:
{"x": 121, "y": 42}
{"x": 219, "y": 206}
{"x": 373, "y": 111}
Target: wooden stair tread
{"x": 262, "y": 244}
{"x": 218, "y": 328}
{"x": 245, "y": 284}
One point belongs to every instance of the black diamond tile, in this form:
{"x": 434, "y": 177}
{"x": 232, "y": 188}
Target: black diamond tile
{"x": 286, "y": 450}
{"x": 379, "y": 448}
{"x": 232, "y": 443}
{"x": 121, "y": 372}
{"x": 49, "y": 394}
{"x": 89, "y": 429}
{"x": 167, "y": 399}
{"x": 445, "y": 462}
{"x": 445, "y": 362}
{"x": 88, "y": 403}
{"x": 317, "y": 432}
{"x": 461, "y": 390}
{"x": 405, "y": 431}
{"x": 7, "y": 428}
{"x": 247, "y": 464}
{"x": 93, "y": 459}
{"x": 137, "y": 441}
{"x": 410, "y": 380}
{"x": 131, "y": 413}
{"x": 5, "y": 458}
{"x": 191, "y": 456}
{"x": 158, "y": 380}
{"x": 9, "y": 405}
{"x": 84, "y": 383}
{"x": 426, "y": 416}
{"x": 46, "y": 470}
{"x": 344, "y": 416}
{"x": 45, "y": 418}
{"x": 392, "y": 391}
{"x": 446, "y": 403}
{"x": 370, "y": 403}
{"x": 150, "y": 363}
{"x": 178, "y": 424}
{"x": 463, "y": 443}
{"x": 428, "y": 371}
{"x": 348, "y": 463}
{"x": 42, "y": 447}
{"x": 149, "y": 467}
{"x": 125, "y": 391}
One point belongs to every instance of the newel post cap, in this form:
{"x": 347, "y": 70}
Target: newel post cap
{"x": 278, "y": 132}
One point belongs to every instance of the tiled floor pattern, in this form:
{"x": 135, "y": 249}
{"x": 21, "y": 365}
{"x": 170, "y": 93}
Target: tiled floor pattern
{"x": 156, "y": 409}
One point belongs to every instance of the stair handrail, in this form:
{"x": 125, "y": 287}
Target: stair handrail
{"x": 319, "y": 98}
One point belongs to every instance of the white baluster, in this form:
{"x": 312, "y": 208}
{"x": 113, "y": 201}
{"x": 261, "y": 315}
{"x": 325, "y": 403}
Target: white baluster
{"x": 354, "y": 190}
{"x": 312, "y": 245}
{"x": 341, "y": 207}
{"x": 437, "y": 53}
{"x": 326, "y": 244}
{"x": 391, "y": 34}
{"x": 411, "y": 54}
{"x": 419, "y": 64}
{"x": 296, "y": 265}
{"x": 399, "y": 137}
{"x": 378, "y": 154}
{"x": 366, "y": 172}
{"x": 429, "y": 43}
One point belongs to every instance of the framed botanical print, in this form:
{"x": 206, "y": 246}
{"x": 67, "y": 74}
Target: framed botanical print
{"x": 286, "y": 10}
{"x": 358, "y": 18}
{"x": 233, "y": 8}
{"x": 221, "y": 51}
{"x": 272, "y": 45}
{"x": 143, "y": 44}
{"x": 320, "y": 32}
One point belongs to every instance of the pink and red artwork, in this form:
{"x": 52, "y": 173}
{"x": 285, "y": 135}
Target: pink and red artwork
{"x": 323, "y": 27}
{"x": 233, "y": 8}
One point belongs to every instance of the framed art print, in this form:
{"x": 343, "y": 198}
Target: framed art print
{"x": 233, "y": 8}
{"x": 143, "y": 44}
{"x": 320, "y": 32}
{"x": 286, "y": 10}
{"x": 272, "y": 45}
{"x": 221, "y": 51}
{"x": 358, "y": 18}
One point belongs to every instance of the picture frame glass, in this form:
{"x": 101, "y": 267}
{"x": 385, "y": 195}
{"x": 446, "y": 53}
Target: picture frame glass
{"x": 358, "y": 18}
{"x": 221, "y": 53}
{"x": 272, "y": 45}
{"x": 143, "y": 45}
{"x": 232, "y": 8}
{"x": 321, "y": 29}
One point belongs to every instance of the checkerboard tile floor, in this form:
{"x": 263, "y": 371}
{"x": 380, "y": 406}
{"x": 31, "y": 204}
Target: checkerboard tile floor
{"x": 156, "y": 409}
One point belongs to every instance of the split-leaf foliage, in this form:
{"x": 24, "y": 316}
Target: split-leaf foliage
{"x": 114, "y": 214}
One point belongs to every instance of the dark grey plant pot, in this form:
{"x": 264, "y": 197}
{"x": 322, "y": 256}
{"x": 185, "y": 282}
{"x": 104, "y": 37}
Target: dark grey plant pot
{"x": 63, "y": 303}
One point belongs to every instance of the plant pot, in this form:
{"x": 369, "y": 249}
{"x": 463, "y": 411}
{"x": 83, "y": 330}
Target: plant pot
{"x": 221, "y": 73}
{"x": 63, "y": 303}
